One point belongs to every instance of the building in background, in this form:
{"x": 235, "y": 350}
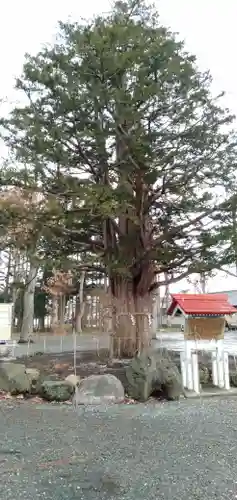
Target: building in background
{"x": 232, "y": 296}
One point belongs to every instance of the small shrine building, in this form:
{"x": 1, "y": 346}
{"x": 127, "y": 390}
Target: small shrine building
{"x": 204, "y": 330}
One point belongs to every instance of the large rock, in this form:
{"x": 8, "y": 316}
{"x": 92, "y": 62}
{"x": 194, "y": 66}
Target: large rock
{"x": 98, "y": 389}
{"x": 233, "y": 378}
{"x": 73, "y": 380}
{"x": 13, "y": 378}
{"x": 153, "y": 373}
{"x": 33, "y": 374}
{"x": 35, "y": 379}
{"x": 204, "y": 375}
{"x": 5, "y": 351}
{"x": 56, "y": 390}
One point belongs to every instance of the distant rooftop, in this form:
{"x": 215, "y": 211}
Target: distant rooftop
{"x": 232, "y": 296}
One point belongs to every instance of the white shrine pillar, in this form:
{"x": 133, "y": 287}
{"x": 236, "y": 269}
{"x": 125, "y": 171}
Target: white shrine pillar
{"x": 226, "y": 371}
{"x": 220, "y": 363}
{"x": 220, "y": 367}
{"x": 189, "y": 367}
{"x": 195, "y": 370}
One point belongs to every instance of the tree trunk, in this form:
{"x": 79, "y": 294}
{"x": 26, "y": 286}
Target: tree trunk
{"x": 61, "y": 310}
{"x": 41, "y": 323}
{"x": 167, "y": 299}
{"x": 18, "y": 323}
{"x": 156, "y": 310}
{"x": 7, "y": 285}
{"x": 17, "y": 278}
{"x": 156, "y": 313}
{"x": 203, "y": 282}
{"x": 28, "y": 304}
{"x": 131, "y": 320}
{"x": 84, "y": 319}
{"x": 15, "y": 293}
{"x": 80, "y": 304}
{"x": 54, "y": 313}
{"x": 131, "y": 299}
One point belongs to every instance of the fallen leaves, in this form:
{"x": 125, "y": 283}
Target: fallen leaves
{"x": 129, "y": 401}
{"x": 60, "y": 367}
{"x": 5, "y": 395}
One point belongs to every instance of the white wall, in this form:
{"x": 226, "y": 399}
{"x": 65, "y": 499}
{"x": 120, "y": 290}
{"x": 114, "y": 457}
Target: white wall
{"x": 176, "y": 321}
{"x": 5, "y": 321}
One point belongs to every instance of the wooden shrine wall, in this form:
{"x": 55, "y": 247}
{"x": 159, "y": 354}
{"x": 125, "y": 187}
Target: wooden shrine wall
{"x": 204, "y": 328}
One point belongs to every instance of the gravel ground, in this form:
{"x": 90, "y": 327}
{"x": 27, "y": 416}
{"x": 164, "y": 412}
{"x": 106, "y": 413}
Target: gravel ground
{"x": 134, "y": 452}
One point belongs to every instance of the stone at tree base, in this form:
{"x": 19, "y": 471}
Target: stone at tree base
{"x": 13, "y": 378}
{"x": 5, "y": 351}
{"x": 36, "y": 386}
{"x": 72, "y": 379}
{"x": 233, "y": 378}
{"x": 26, "y": 341}
{"x": 204, "y": 375}
{"x": 35, "y": 379}
{"x": 99, "y": 389}
{"x": 153, "y": 372}
{"x": 56, "y": 390}
{"x": 33, "y": 374}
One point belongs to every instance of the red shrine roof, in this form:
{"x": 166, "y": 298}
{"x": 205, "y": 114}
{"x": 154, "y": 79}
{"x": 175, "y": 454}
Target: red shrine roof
{"x": 202, "y": 304}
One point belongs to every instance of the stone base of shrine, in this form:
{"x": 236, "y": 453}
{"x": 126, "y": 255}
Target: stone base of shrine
{"x": 190, "y": 366}
{"x": 211, "y": 392}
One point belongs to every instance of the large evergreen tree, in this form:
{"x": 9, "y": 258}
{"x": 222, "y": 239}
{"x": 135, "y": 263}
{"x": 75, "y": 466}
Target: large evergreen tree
{"x": 121, "y": 128}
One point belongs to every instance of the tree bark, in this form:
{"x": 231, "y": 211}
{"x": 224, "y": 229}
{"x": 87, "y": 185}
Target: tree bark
{"x": 15, "y": 294}
{"x": 61, "y": 310}
{"x": 131, "y": 320}
{"x": 17, "y": 278}
{"x": 203, "y": 282}
{"x": 54, "y": 313}
{"x": 80, "y": 304}
{"x": 28, "y": 304}
{"x": 7, "y": 284}
{"x": 156, "y": 313}
{"x": 130, "y": 292}
{"x": 41, "y": 323}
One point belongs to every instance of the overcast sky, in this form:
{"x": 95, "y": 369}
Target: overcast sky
{"x": 207, "y": 26}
